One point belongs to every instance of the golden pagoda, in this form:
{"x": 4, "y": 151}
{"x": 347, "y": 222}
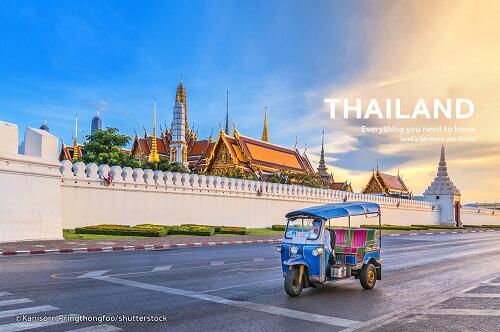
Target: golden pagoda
{"x": 154, "y": 157}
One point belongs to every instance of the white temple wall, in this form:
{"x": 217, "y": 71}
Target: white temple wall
{"x": 173, "y": 199}
{"x": 479, "y": 216}
{"x": 30, "y": 194}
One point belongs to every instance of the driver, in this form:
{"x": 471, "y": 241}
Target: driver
{"x": 327, "y": 241}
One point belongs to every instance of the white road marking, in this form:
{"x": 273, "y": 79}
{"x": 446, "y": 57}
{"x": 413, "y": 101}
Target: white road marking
{"x": 460, "y": 312}
{"x": 30, "y": 310}
{"x": 162, "y": 268}
{"x": 306, "y": 316}
{"x": 413, "y": 234}
{"x": 22, "y": 326}
{"x": 14, "y": 301}
{"x": 216, "y": 263}
{"x": 453, "y": 232}
{"x": 92, "y": 274}
{"x": 97, "y": 328}
{"x": 429, "y": 233}
{"x": 241, "y": 285}
{"x": 395, "y": 234}
{"x": 495, "y": 284}
{"x": 258, "y": 259}
{"x": 5, "y": 294}
{"x": 485, "y": 295}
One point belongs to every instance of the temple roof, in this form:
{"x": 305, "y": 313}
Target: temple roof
{"x": 385, "y": 183}
{"x": 272, "y": 157}
{"x": 442, "y": 184}
{"x": 392, "y": 182}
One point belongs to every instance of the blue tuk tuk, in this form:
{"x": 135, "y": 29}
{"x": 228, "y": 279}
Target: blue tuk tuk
{"x": 313, "y": 253}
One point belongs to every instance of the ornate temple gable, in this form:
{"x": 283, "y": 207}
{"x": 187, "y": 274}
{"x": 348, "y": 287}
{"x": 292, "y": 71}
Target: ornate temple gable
{"x": 67, "y": 152}
{"x": 374, "y": 186}
{"x": 225, "y": 156}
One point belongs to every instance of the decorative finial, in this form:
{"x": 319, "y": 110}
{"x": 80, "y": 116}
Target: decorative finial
{"x": 153, "y": 155}
{"x": 227, "y": 112}
{"x": 76, "y": 151}
{"x": 296, "y": 142}
{"x": 265, "y": 131}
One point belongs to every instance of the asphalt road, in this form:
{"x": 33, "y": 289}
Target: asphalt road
{"x": 444, "y": 282}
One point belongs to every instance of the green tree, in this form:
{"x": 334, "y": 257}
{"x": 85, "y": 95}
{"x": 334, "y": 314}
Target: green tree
{"x": 164, "y": 165}
{"x": 107, "y": 147}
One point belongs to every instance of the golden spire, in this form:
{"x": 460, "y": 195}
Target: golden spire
{"x": 265, "y": 132}
{"x": 153, "y": 155}
{"x": 76, "y": 150}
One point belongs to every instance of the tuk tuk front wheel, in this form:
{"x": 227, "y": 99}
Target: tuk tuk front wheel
{"x": 292, "y": 285}
{"x": 368, "y": 276}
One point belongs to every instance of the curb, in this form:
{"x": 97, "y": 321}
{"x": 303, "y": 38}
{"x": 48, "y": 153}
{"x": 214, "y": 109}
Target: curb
{"x": 437, "y": 232}
{"x": 130, "y": 248}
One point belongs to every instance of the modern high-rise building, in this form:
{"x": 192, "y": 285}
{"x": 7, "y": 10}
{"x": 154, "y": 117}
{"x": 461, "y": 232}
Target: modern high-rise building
{"x": 96, "y": 123}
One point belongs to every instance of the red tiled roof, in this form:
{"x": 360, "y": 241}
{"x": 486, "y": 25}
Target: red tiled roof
{"x": 271, "y": 155}
{"x": 393, "y": 182}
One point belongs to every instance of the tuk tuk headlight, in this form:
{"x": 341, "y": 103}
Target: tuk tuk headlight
{"x": 317, "y": 251}
{"x": 279, "y": 248}
{"x": 294, "y": 250}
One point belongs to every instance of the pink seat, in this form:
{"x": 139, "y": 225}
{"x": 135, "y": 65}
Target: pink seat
{"x": 359, "y": 238}
{"x": 340, "y": 234}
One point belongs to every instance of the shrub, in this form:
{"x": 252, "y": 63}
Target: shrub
{"x": 436, "y": 226}
{"x": 232, "y": 230}
{"x": 278, "y": 228}
{"x": 397, "y": 227}
{"x": 192, "y": 230}
{"x": 120, "y": 230}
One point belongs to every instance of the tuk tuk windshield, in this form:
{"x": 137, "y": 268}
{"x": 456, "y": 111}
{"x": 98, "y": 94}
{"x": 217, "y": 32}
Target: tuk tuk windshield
{"x": 308, "y": 228}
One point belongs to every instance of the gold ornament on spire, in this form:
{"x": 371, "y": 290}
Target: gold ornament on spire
{"x": 265, "y": 132}
{"x": 154, "y": 157}
{"x": 76, "y": 151}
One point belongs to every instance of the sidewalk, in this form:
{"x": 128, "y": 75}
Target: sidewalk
{"x": 174, "y": 241}
{"x": 83, "y": 245}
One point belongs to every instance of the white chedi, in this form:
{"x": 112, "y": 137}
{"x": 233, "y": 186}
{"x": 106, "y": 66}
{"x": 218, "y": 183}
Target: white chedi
{"x": 442, "y": 184}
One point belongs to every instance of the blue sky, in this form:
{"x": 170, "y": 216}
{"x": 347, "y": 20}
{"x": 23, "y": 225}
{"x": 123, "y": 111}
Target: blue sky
{"x": 58, "y": 58}
{"x": 65, "y": 57}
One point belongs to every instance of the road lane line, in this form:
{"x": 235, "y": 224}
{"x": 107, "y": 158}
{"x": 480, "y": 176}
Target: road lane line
{"x": 30, "y": 310}
{"x": 493, "y": 284}
{"x": 22, "y": 326}
{"x": 460, "y": 312}
{"x": 162, "y": 268}
{"x": 485, "y": 295}
{"x": 14, "y": 301}
{"x": 92, "y": 274}
{"x": 5, "y": 294}
{"x": 306, "y": 316}
{"x": 240, "y": 285}
{"x": 259, "y": 259}
{"x": 98, "y": 328}
{"x": 216, "y": 263}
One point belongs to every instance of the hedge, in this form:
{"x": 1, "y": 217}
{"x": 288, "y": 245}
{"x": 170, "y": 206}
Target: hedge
{"x": 278, "y": 227}
{"x": 232, "y": 230}
{"x": 436, "y": 226}
{"x": 120, "y": 230}
{"x": 192, "y": 230}
{"x": 396, "y": 227}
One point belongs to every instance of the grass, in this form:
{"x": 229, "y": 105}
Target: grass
{"x": 69, "y": 234}
{"x": 263, "y": 231}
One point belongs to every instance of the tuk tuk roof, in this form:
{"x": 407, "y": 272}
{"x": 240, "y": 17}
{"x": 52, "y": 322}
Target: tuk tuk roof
{"x": 336, "y": 210}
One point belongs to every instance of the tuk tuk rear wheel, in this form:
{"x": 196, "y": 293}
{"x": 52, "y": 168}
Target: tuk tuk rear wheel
{"x": 368, "y": 276}
{"x": 292, "y": 286}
